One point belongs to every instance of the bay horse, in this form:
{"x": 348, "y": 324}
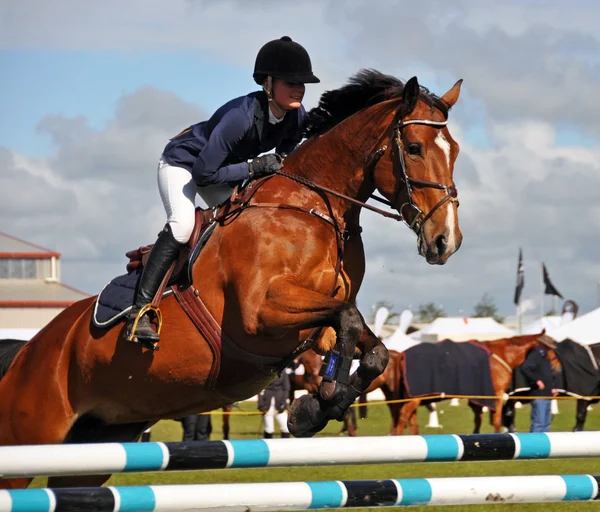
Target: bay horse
{"x": 505, "y": 355}
{"x": 284, "y": 260}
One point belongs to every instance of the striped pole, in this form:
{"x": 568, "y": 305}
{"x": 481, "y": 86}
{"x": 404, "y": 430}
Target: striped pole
{"x": 307, "y": 495}
{"x": 80, "y": 459}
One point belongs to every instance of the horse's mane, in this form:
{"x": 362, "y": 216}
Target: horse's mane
{"x": 365, "y": 89}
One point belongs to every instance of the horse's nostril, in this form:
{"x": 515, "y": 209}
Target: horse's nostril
{"x": 441, "y": 243}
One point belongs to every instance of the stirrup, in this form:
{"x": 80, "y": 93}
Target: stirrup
{"x": 148, "y": 308}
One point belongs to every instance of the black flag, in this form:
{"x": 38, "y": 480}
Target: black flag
{"x": 549, "y": 287}
{"x": 520, "y": 278}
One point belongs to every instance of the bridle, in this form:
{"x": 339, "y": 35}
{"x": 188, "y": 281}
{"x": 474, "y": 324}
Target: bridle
{"x": 416, "y": 223}
{"x": 418, "y": 218}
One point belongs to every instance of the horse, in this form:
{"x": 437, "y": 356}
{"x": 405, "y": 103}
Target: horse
{"x": 284, "y": 261}
{"x": 505, "y": 355}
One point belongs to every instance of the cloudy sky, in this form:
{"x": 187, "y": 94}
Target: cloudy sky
{"x": 91, "y": 92}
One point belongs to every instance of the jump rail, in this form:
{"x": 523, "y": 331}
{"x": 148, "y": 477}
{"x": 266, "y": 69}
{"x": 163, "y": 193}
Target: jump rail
{"x": 85, "y": 459}
{"x": 307, "y": 495}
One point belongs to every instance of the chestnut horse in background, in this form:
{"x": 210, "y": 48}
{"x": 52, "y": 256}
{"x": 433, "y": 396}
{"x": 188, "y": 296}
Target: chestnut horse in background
{"x": 505, "y": 355}
{"x": 284, "y": 260}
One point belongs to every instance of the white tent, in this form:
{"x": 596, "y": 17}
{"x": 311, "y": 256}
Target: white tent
{"x": 546, "y": 322}
{"x": 17, "y": 334}
{"x": 584, "y": 329}
{"x": 399, "y": 341}
{"x": 463, "y": 329}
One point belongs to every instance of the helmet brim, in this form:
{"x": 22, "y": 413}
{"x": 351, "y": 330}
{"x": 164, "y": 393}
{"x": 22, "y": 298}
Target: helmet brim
{"x": 294, "y": 78}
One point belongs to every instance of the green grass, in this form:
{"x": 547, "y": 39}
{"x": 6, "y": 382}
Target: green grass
{"x": 455, "y": 420}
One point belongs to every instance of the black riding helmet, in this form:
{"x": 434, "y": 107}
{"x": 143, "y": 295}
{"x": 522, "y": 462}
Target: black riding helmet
{"x": 286, "y": 60}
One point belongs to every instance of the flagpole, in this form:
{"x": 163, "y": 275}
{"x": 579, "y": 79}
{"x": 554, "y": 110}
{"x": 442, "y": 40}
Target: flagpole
{"x": 520, "y": 318}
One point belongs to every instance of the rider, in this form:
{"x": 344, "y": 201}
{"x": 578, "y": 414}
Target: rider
{"x": 211, "y": 157}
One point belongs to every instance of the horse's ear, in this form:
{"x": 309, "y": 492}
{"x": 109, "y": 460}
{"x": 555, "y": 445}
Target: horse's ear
{"x": 451, "y": 97}
{"x": 410, "y": 96}
{"x": 543, "y": 332}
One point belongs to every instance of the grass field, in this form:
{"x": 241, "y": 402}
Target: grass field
{"x": 455, "y": 420}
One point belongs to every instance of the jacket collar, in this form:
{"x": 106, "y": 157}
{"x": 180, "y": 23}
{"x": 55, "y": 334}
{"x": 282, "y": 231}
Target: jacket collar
{"x": 261, "y": 117}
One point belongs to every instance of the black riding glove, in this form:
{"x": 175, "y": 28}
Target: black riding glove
{"x": 265, "y": 164}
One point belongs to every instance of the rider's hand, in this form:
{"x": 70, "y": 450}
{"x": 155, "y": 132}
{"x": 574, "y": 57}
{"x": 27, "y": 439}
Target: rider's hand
{"x": 540, "y": 384}
{"x": 264, "y": 165}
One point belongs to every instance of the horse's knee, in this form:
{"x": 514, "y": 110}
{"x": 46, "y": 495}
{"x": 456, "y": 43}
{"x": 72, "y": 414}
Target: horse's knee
{"x": 349, "y": 323}
{"x": 374, "y": 362}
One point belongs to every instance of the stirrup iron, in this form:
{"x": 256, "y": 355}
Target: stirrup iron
{"x": 148, "y": 308}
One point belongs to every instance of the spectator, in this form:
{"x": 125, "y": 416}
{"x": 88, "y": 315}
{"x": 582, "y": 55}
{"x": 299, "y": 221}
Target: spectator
{"x": 196, "y": 427}
{"x": 537, "y": 370}
{"x": 273, "y": 403}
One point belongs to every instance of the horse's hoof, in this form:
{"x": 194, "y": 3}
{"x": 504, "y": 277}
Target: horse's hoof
{"x": 307, "y": 416}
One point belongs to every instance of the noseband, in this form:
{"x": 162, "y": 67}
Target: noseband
{"x": 418, "y": 218}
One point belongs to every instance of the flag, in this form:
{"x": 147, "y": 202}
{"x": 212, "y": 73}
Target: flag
{"x": 520, "y": 278}
{"x": 549, "y": 287}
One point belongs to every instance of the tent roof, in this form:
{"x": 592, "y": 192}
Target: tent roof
{"x": 546, "y": 322}
{"x": 465, "y": 325}
{"x": 584, "y": 330}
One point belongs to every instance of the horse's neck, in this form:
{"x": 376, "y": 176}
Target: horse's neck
{"x": 517, "y": 356}
{"x": 337, "y": 160}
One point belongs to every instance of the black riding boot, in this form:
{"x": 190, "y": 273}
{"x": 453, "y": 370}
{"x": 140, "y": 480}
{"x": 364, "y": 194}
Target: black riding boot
{"x": 164, "y": 252}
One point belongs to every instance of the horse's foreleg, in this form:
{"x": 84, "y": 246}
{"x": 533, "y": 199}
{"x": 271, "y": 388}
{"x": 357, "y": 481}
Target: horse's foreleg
{"x": 477, "y": 417}
{"x": 406, "y": 412}
{"x": 581, "y": 414}
{"x": 496, "y": 415}
{"x": 290, "y": 306}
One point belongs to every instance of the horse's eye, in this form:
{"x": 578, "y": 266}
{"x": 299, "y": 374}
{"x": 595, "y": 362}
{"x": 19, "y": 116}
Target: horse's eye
{"x": 414, "y": 149}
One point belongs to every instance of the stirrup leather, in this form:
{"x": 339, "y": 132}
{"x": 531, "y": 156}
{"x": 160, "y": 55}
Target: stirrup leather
{"x": 148, "y": 308}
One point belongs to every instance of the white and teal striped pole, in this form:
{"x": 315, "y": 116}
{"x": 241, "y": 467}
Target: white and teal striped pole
{"x": 306, "y": 495}
{"x": 81, "y": 459}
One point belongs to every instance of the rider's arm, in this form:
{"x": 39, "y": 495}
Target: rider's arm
{"x": 208, "y": 169}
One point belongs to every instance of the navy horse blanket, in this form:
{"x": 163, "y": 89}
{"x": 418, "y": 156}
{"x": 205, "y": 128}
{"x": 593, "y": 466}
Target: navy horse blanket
{"x": 449, "y": 368}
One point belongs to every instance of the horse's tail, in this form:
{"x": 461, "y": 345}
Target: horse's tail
{"x": 8, "y": 351}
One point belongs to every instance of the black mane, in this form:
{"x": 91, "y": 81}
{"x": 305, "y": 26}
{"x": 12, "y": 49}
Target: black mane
{"x": 368, "y": 87}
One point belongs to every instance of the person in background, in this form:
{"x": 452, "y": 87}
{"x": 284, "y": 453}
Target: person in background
{"x": 537, "y": 370}
{"x": 196, "y": 427}
{"x": 273, "y": 403}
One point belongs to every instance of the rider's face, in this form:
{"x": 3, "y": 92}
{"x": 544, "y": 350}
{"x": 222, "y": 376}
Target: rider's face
{"x": 288, "y": 95}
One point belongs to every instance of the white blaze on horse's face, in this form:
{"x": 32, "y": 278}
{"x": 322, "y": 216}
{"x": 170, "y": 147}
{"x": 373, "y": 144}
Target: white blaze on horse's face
{"x": 451, "y": 219}
{"x": 444, "y": 145}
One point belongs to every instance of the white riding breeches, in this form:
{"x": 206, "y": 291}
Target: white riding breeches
{"x": 178, "y": 193}
{"x": 272, "y": 414}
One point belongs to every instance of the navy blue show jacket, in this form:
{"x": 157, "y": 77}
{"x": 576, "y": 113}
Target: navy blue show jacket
{"x": 217, "y": 150}
{"x": 537, "y": 367}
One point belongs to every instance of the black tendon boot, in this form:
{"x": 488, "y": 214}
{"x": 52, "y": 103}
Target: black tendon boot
{"x": 164, "y": 252}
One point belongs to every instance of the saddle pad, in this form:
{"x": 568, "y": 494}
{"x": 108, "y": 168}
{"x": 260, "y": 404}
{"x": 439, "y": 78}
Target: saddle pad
{"x": 451, "y": 368}
{"x": 116, "y": 298}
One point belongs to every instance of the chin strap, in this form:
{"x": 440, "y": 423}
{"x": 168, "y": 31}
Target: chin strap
{"x": 269, "y": 90}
